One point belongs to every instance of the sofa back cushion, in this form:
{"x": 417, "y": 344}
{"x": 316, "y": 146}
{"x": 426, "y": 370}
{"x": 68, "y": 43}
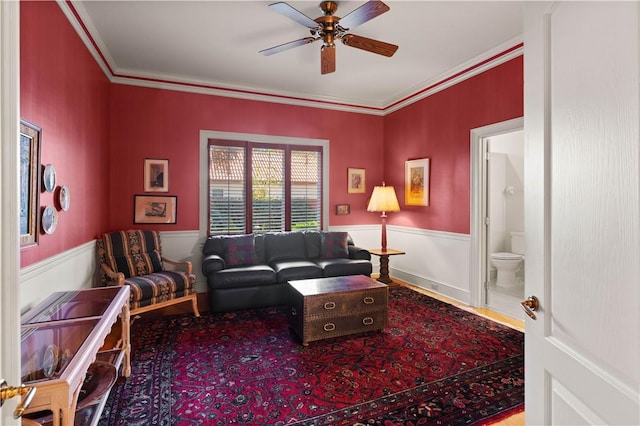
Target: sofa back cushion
{"x": 313, "y": 244}
{"x": 239, "y": 250}
{"x": 258, "y": 241}
{"x": 284, "y": 246}
{"x": 214, "y": 245}
{"x": 334, "y": 245}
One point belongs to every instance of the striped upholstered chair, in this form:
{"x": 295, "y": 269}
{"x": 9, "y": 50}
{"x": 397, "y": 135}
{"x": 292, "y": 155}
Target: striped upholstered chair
{"x": 134, "y": 258}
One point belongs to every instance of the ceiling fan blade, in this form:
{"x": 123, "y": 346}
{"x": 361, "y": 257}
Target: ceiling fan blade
{"x": 328, "y": 59}
{"x": 364, "y": 13}
{"x": 370, "y": 45}
{"x": 287, "y": 46}
{"x": 292, "y": 13}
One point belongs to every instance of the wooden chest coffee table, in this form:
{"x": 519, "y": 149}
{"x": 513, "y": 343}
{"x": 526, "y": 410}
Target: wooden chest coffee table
{"x": 329, "y": 307}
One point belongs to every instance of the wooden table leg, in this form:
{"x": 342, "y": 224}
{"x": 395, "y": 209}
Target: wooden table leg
{"x": 384, "y": 269}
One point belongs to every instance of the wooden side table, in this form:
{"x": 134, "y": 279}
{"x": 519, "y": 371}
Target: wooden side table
{"x": 384, "y": 263}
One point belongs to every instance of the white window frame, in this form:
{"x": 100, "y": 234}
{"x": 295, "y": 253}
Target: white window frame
{"x": 205, "y": 135}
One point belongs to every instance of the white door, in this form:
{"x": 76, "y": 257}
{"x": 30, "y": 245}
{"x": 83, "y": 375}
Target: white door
{"x": 582, "y": 174}
{"x": 9, "y": 238}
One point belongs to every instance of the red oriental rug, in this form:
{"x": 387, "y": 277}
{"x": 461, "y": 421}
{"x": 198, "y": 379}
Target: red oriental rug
{"x": 433, "y": 364}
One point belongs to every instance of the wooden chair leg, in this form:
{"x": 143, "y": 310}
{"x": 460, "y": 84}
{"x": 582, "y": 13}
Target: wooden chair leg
{"x": 194, "y": 302}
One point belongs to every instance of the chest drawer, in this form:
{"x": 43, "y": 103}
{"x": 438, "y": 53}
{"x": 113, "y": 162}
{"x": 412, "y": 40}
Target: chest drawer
{"x": 357, "y": 322}
{"x": 336, "y": 304}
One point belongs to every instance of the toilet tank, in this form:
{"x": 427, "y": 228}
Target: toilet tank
{"x": 517, "y": 242}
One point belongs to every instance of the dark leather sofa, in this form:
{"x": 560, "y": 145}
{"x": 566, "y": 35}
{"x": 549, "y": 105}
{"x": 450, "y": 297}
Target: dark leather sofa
{"x": 252, "y": 270}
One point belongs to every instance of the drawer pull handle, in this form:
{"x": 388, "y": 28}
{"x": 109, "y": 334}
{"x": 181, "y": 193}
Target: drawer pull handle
{"x": 329, "y": 326}
{"x": 329, "y": 305}
{"x": 368, "y": 300}
{"x": 367, "y": 321}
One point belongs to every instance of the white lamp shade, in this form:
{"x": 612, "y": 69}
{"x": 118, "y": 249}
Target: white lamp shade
{"x": 383, "y": 199}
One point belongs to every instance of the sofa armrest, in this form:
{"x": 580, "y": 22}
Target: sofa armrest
{"x": 115, "y": 278}
{"x": 212, "y": 263}
{"x": 188, "y": 268}
{"x": 359, "y": 253}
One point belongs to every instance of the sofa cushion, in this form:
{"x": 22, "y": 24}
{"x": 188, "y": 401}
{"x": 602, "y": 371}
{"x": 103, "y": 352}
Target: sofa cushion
{"x": 296, "y": 270}
{"x": 284, "y": 246}
{"x": 313, "y": 243}
{"x": 334, "y": 245}
{"x": 341, "y": 267}
{"x": 243, "y": 276}
{"x": 136, "y": 265}
{"x": 240, "y": 250}
{"x": 159, "y": 287}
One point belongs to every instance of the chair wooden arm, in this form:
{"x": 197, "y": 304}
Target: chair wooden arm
{"x": 186, "y": 264}
{"x": 116, "y": 277}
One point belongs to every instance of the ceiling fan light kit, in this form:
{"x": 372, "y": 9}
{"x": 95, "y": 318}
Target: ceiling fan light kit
{"x": 330, "y": 28}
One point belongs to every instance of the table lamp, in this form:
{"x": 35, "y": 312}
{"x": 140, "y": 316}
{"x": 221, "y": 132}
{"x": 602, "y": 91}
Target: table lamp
{"x": 383, "y": 199}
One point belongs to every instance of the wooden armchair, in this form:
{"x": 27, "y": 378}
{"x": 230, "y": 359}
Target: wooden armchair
{"x": 134, "y": 258}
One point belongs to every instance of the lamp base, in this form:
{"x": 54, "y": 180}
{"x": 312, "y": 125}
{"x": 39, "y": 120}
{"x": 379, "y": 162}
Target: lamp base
{"x": 383, "y": 244}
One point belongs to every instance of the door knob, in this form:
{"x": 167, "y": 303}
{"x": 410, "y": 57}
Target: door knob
{"x": 530, "y": 305}
{"x": 6, "y": 392}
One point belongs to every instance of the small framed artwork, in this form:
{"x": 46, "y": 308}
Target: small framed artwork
{"x": 155, "y": 209}
{"x": 356, "y": 181}
{"x": 343, "y": 209}
{"x": 416, "y": 182}
{"x": 156, "y": 175}
{"x": 29, "y": 148}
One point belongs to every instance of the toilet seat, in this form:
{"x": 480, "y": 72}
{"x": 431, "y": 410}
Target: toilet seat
{"x": 506, "y": 256}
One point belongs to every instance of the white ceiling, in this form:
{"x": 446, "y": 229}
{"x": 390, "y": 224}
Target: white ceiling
{"x": 216, "y": 44}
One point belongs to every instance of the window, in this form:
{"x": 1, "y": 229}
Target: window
{"x": 256, "y": 187}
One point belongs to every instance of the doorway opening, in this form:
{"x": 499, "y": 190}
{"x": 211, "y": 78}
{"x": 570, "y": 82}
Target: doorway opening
{"x": 497, "y": 217}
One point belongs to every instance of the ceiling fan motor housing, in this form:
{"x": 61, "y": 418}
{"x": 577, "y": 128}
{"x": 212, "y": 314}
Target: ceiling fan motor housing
{"x": 329, "y": 31}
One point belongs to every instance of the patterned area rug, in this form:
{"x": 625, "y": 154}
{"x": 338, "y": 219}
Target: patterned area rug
{"x": 433, "y": 364}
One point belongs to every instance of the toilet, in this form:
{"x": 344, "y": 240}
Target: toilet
{"x": 507, "y": 264}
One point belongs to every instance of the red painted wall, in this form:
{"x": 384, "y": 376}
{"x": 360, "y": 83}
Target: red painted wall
{"x": 98, "y": 134}
{"x": 63, "y": 90}
{"x": 153, "y": 123}
{"x": 438, "y": 127}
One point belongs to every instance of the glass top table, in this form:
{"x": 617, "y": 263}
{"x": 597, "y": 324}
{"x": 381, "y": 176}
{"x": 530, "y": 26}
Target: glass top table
{"x": 62, "y": 336}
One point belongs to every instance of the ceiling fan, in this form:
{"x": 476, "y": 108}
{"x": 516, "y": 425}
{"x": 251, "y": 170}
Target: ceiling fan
{"x": 330, "y": 28}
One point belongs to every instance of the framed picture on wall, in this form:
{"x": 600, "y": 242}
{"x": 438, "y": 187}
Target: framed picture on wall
{"x": 416, "y": 182}
{"x": 155, "y": 209}
{"x": 355, "y": 181}
{"x": 156, "y": 175}
{"x": 342, "y": 209}
{"x": 29, "y": 207}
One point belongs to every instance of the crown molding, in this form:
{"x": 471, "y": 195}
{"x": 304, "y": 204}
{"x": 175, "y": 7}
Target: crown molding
{"x": 74, "y": 11}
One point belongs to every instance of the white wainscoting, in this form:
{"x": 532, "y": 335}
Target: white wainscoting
{"x": 71, "y": 270}
{"x": 436, "y": 261}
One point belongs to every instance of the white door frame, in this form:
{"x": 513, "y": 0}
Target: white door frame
{"x": 9, "y": 182}
{"x": 478, "y": 202}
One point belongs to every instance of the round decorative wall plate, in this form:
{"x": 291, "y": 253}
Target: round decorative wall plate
{"x": 49, "y": 219}
{"x": 49, "y": 178}
{"x": 65, "y": 197}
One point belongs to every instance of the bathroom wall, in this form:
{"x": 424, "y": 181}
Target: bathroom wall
{"x": 506, "y": 189}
